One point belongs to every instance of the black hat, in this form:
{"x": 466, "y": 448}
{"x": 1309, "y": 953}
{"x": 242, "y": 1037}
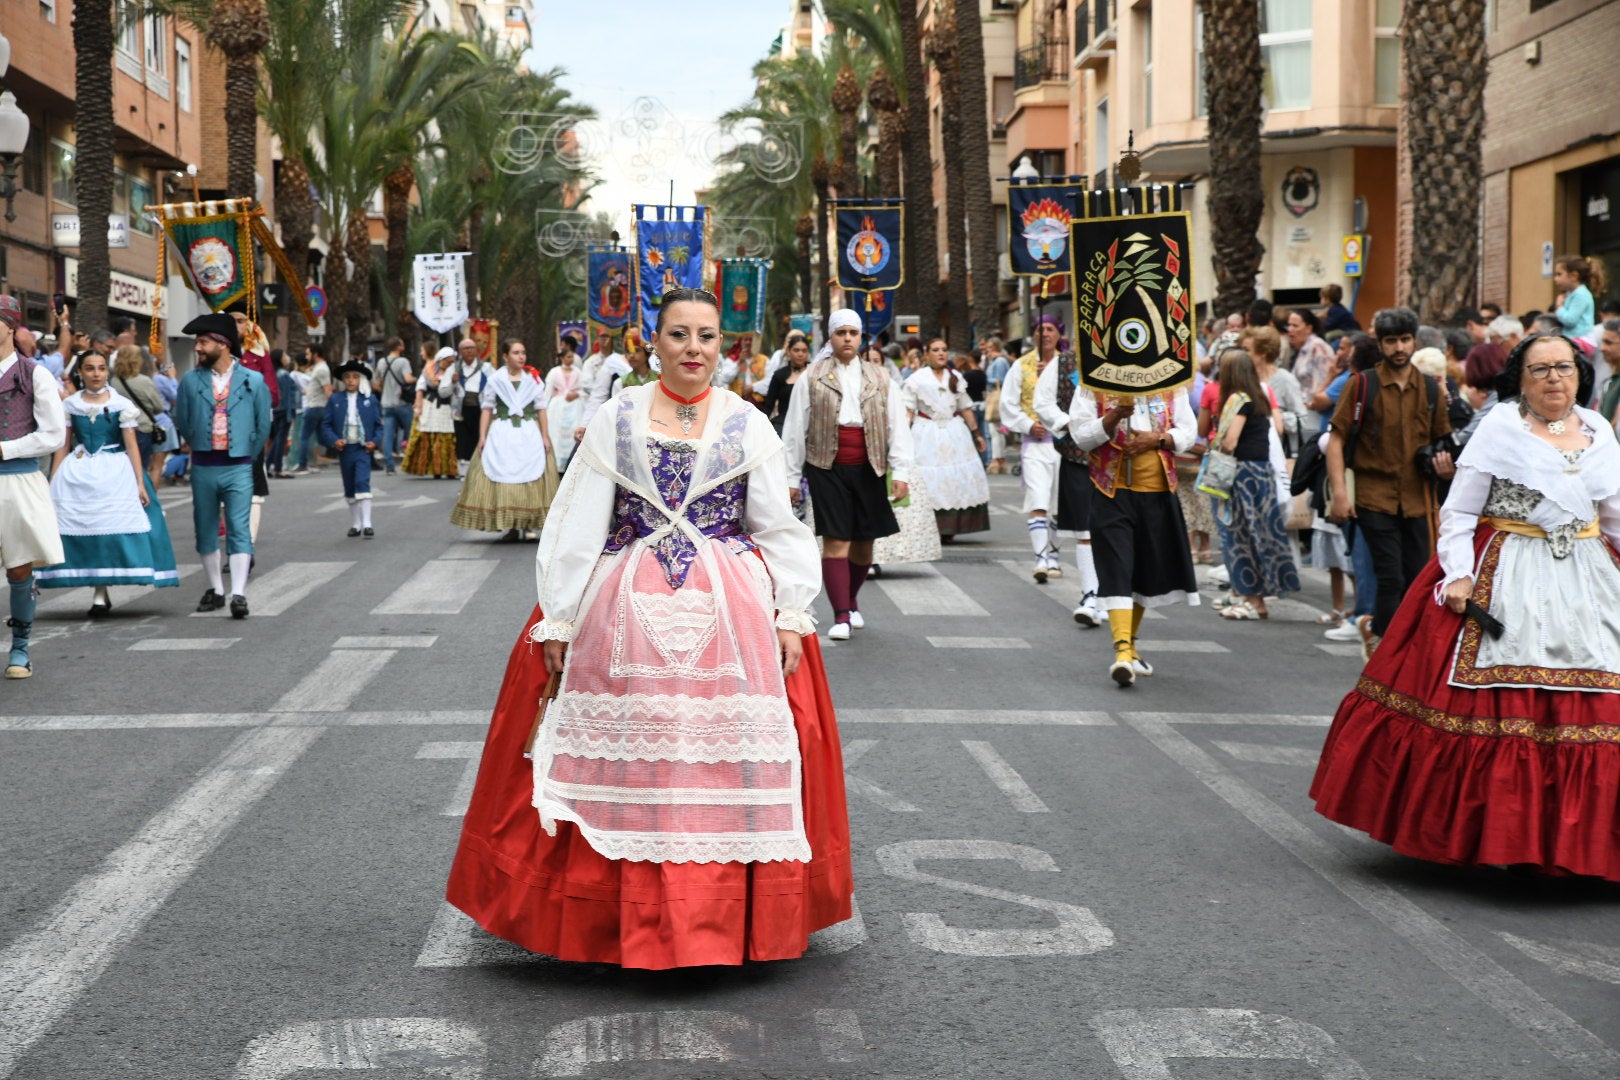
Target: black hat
{"x": 354, "y": 365}
{"x": 216, "y": 325}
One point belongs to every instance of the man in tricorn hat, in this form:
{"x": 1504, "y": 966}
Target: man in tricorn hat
{"x": 222, "y": 413}
{"x": 31, "y": 425}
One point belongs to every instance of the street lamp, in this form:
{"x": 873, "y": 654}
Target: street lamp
{"x": 1025, "y": 170}
{"x": 13, "y": 135}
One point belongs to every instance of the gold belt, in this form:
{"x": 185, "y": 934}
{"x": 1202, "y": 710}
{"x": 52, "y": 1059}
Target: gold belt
{"x": 1524, "y": 528}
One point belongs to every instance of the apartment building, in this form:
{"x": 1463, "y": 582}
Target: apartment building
{"x": 1093, "y": 76}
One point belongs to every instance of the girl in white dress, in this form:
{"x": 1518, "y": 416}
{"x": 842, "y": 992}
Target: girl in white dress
{"x": 511, "y": 478}
{"x": 947, "y": 443}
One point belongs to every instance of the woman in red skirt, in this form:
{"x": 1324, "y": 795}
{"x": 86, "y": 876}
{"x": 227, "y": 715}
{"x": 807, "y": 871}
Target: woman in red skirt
{"x": 1486, "y": 728}
{"x": 682, "y": 802}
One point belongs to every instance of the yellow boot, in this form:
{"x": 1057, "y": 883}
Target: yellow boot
{"x": 1138, "y": 665}
{"x": 1123, "y": 670}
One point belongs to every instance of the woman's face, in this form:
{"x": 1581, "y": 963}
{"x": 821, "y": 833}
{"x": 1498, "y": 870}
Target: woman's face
{"x": 517, "y": 357}
{"x": 1553, "y": 395}
{"x": 937, "y": 355}
{"x": 1254, "y": 354}
{"x": 94, "y": 371}
{"x": 689, "y": 346}
{"x": 846, "y": 342}
{"x": 799, "y": 352}
{"x": 639, "y": 358}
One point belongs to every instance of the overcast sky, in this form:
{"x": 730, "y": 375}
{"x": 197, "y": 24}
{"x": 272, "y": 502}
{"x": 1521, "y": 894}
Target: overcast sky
{"x": 694, "y": 59}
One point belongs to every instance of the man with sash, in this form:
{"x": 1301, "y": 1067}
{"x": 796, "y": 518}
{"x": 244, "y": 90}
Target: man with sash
{"x": 1036, "y": 454}
{"x": 1138, "y": 533}
{"x": 1054, "y": 394}
{"x": 32, "y": 424}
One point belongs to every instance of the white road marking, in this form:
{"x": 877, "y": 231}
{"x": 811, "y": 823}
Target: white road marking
{"x": 1569, "y": 963}
{"x": 1077, "y": 933}
{"x": 420, "y": 1045}
{"x": 71, "y": 601}
{"x": 1142, "y": 1042}
{"x": 469, "y": 549}
{"x": 839, "y": 937}
{"x": 439, "y": 587}
{"x": 1005, "y": 777}
{"x": 1037, "y": 717}
{"x": 1270, "y": 755}
{"x": 1181, "y": 647}
{"x": 1336, "y": 648}
{"x": 131, "y": 721}
{"x": 573, "y": 1047}
{"x": 403, "y": 504}
{"x": 45, "y": 970}
{"x": 1493, "y": 984}
{"x": 839, "y": 1033}
{"x": 1064, "y": 590}
{"x": 387, "y": 641}
{"x": 923, "y": 590}
{"x": 469, "y": 752}
{"x": 977, "y": 642}
{"x": 856, "y": 749}
{"x": 281, "y": 588}
{"x": 454, "y": 940}
{"x": 187, "y": 644}
{"x": 1288, "y": 609}
{"x": 337, "y": 680}
{"x": 1234, "y": 719}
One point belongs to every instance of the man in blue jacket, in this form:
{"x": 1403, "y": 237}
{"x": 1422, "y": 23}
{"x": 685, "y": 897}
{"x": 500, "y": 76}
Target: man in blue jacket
{"x": 222, "y": 413}
{"x": 353, "y": 423}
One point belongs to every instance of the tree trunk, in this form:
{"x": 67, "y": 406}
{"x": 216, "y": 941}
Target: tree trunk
{"x": 806, "y": 231}
{"x": 337, "y": 302}
{"x": 846, "y": 102}
{"x": 818, "y": 177}
{"x": 93, "y": 161}
{"x": 295, "y": 212}
{"x": 1443, "y": 61}
{"x": 396, "y": 216}
{"x": 922, "y": 237}
{"x": 944, "y": 50}
{"x": 1236, "y": 194}
{"x": 240, "y": 29}
{"x": 975, "y": 169}
{"x": 885, "y": 101}
{"x": 357, "y": 249}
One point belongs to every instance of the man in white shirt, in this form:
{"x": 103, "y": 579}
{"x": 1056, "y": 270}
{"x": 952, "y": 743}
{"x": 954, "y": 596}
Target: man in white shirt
{"x": 316, "y": 393}
{"x": 396, "y": 388}
{"x": 590, "y": 379}
{"x": 32, "y": 424}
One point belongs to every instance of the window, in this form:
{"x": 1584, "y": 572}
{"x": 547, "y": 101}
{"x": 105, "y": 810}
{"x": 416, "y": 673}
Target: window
{"x": 1001, "y": 101}
{"x": 1100, "y": 140}
{"x": 63, "y": 188}
{"x": 120, "y": 192}
{"x": 1285, "y": 50}
{"x": 1387, "y": 52}
{"x": 157, "y": 55}
{"x": 140, "y": 195}
{"x": 33, "y": 166}
{"x": 127, "y": 34}
{"x": 1200, "y": 88}
{"x": 182, "y": 72}
{"x": 1147, "y": 68}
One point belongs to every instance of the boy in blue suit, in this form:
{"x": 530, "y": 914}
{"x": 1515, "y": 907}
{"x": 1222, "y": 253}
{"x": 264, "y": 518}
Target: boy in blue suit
{"x": 353, "y": 423}
{"x": 222, "y": 413}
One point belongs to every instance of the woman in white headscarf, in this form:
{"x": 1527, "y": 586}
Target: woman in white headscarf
{"x": 431, "y": 450}
{"x": 846, "y": 434}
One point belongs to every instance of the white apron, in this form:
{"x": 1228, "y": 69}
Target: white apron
{"x": 514, "y": 451}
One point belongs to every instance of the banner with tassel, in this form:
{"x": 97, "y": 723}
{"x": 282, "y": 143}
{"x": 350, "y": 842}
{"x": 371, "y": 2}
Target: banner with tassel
{"x": 871, "y": 245}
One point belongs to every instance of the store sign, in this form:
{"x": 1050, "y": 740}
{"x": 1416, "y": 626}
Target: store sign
{"x": 125, "y": 292}
{"x": 65, "y": 230}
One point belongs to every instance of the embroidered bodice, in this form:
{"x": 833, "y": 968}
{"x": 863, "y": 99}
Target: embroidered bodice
{"x": 99, "y": 432}
{"x": 1517, "y": 502}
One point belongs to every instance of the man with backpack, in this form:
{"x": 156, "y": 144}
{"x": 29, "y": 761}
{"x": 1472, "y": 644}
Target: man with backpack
{"x": 1385, "y": 420}
{"x": 396, "y": 384}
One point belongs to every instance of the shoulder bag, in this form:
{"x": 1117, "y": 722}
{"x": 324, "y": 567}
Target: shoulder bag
{"x": 1218, "y": 473}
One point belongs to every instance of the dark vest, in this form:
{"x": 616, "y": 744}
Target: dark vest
{"x": 1067, "y": 367}
{"x": 17, "y": 401}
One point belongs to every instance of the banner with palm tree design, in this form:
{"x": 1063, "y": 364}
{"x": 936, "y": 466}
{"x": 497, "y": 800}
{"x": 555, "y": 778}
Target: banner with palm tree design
{"x": 671, "y": 249}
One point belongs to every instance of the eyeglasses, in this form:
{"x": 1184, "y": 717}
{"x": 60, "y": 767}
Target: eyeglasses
{"x": 1542, "y": 371}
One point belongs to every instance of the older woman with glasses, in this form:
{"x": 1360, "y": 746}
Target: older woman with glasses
{"x": 1489, "y": 734}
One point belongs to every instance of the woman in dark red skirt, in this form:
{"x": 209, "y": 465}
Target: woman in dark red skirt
{"x": 1486, "y": 728}
{"x": 683, "y": 801}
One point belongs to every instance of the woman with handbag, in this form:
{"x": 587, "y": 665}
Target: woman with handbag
{"x": 1259, "y": 558}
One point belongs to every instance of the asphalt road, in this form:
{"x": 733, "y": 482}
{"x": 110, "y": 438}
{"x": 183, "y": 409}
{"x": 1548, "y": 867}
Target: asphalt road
{"x": 225, "y": 843}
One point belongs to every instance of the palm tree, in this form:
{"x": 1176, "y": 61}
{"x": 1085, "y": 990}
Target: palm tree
{"x": 846, "y": 102}
{"x": 975, "y": 168}
{"x": 944, "y": 50}
{"x": 1236, "y": 194}
{"x": 240, "y": 30}
{"x": 922, "y": 238}
{"x": 1443, "y": 60}
{"x": 876, "y": 24}
{"x": 93, "y": 155}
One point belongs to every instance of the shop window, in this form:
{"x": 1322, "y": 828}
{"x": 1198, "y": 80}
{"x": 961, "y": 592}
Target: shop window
{"x": 1285, "y": 51}
{"x": 63, "y": 188}
{"x": 47, "y": 10}
{"x": 1387, "y": 52}
{"x": 140, "y": 196}
{"x": 182, "y": 73}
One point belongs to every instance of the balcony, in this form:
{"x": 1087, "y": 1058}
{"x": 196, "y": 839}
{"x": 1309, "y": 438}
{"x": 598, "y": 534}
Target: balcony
{"x": 1045, "y": 61}
{"x": 1095, "y": 33}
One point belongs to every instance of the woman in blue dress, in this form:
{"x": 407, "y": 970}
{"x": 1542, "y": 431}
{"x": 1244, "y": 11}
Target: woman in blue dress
{"x": 113, "y": 531}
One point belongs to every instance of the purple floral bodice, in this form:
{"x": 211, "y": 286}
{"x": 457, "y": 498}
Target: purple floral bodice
{"x": 717, "y": 514}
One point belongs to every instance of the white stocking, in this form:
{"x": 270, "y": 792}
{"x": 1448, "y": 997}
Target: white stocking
{"x": 1039, "y": 538}
{"x": 354, "y": 514}
{"x": 365, "y": 513}
{"x": 240, "y": 561}
{"x": 211, "y": 562}
{"x": 1086, "y": 565}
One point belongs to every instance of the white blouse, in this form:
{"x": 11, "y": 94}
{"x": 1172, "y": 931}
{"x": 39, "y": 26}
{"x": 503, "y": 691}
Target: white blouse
{"x": 1086, "y": 426}
{"x": 796, "y": 422}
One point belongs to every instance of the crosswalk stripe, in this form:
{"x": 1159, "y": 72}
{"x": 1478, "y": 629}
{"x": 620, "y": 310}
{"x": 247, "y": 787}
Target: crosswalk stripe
{"x": 387, "y": 641}
{"x": 854, "y": 751}
{"x": 470, "y": 752}
{"x": 1064, "y": 590}
{"x": 161, "y": 721}
{"x": 282, "y": 587}
{"x": 1035, "y": 717}
{"x": 977, "y": 642}
{"x": 926, "y": 591}
{"x": 1005, "y": 777}
{"x": 454, "y": 940}
{"x": 44, "y": 971}
{"x": 337, "y": 680}
{"x": 1182, "y": 647}
{"x": 1269, "y": 755}
{"x": 439, "y": 587}
{"x": 468, "y": 549}
{"x": 1278, "y": 719}
{"x": 166, "y": 645}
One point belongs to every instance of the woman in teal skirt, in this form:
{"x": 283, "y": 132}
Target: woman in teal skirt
{"x": 112, "y": 526}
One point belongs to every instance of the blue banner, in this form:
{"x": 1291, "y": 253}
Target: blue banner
{"x": 740, "y": 284}
{"x": 608, "y": 283}
{"x": 1038, "y": 219}
{"x": 871, "y": 252}
{"x": 877, "y": 312}
{"x": 576, "y": 329}
{"x": 671, "y": 249}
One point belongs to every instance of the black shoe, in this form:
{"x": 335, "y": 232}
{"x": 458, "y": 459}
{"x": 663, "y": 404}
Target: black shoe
{"x": 211, "y": 601}
{"x": 98, "y": 611}
{"x": 354, "y": 532}
{"x": 239, "y": 608}
{"x": 368, "y": 532}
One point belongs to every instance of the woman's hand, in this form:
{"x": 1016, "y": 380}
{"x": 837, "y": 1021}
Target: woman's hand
{"x": 1457, "y": 594}
{"x": 140, "y": 489}
{"x": 792, "y": 651}
{"x": 556, "y": 652}
{"x": 901, "y": 490}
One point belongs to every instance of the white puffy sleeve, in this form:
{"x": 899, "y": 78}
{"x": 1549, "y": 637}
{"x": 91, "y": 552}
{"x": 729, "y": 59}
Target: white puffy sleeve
{"x": 786, "y": 542}
{"x": 575, "y": 531}
{"x": 1046, "y": 406}
{"x": 1183, "y": 423}
{"x": 1085, "y": 423}
{"x": 908, "y": 397}
{"x": 1459, "y": 517}
{"x": 900, "y": 453}
{"x": 795, "y": 424}
{"x": 1013, "y": 417}
{"x": 486, "y": 396}
{"x": 1609, "y": 518}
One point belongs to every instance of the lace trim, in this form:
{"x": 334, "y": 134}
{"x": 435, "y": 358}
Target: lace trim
{"x": 671, "y": 796}
{"x": 552, "y": 630}
{"x": 718, "y": 847}
{"x": 674, "y": 712}
{"x": 795, "y": 620}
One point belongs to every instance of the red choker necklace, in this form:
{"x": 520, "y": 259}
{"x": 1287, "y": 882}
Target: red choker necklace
{"x": 685, "y": 408}
{"x": 684, "y": 401}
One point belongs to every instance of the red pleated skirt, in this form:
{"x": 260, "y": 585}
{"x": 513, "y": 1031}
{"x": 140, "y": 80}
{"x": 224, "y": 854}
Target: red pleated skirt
{"x": 1517, "y": 776}
{"x": 556, "y": 895}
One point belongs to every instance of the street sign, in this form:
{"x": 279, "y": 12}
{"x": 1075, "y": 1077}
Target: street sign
{"x": 317, "y": 300}
{"x": 65, "y": 230}
{"x": 1547, "y": 258}
{"x": 1354, "y": 252}
{"x": 274, "y": 298}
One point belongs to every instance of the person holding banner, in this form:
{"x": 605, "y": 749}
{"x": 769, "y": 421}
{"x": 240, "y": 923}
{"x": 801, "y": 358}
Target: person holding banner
{"x": 947, "y": 441}
{"x": 1037, "y": 456}
{"x": 845, "y": 432}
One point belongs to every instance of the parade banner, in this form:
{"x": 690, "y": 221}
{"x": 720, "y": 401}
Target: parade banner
{"x": 871, "y": 248}
{"x": 877, "y": 312}
{"x": 1133, "y": 306}
{"x": 608, "y": 275}
{"x": 579, "y": 331}
{"x": 1039, "y": 214}
{"x": 741, "y": 289}
{"x": 671, "y": 249}
{"x": 440, "y": 290}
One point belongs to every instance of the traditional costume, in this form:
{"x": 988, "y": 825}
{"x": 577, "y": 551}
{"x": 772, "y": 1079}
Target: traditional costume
{"x": 511, "y": 484}
{"x": 1038, "y": 460}
{"x": 918, "y": 539}
{"x": 947, "y": 461}
{"x": 1472, "y": 743}
{"x": 1138, "y": 535}
{"x": 1054, "y": 395}
{"x": 431, "y": 449}
{"x": 471, "y": 380}
{"x": 355, "y": 419}
{"x": 31, "y": 425}
{"x": 108, "y": 537}
{"x": 684, "y": 804}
